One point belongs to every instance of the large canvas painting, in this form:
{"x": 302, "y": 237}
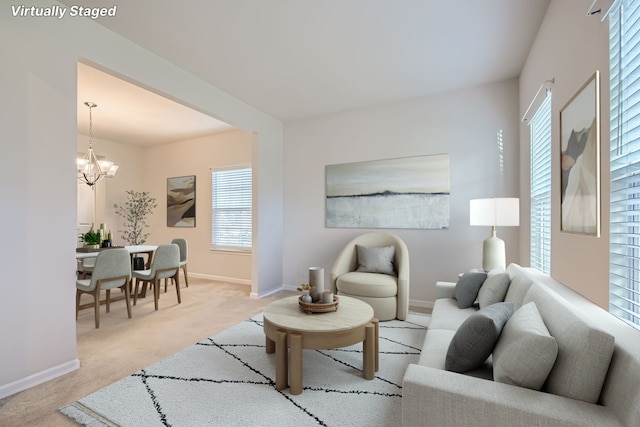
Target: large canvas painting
{"x": 181, "y": 201}
{"x": 410, "y": 192}
{"x": 580, "y": 160}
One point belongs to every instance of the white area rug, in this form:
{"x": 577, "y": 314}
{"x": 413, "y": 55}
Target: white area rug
{"x": 229, "y": 380}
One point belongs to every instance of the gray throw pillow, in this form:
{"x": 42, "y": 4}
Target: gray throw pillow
{"x": 525, "y": 352}
{"x": 474, "y": 340}
{"x": 493, "y": 289}
{"x": 376, "y": 260}
{"x": 467, "y": 287}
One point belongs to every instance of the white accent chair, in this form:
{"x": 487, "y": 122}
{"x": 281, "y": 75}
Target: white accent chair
{"x": 164, "y": 265}
{"x": 388, "y": 294}
{"x": 112, "y": 269}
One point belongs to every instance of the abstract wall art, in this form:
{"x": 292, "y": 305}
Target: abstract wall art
{"x": 411, "y": 192}
{"x": 181, "y": 201}
{"x": 580, "y": 160}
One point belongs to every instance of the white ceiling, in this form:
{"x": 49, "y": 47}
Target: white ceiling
{"x": 300, "y": 58}
{"x": 129, "y": 114}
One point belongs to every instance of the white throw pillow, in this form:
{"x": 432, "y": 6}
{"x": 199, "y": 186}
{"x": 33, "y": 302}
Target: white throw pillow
{"x": 525, "y": 352}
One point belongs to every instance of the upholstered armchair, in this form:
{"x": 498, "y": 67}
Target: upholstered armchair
{"x": 374, "y": 268}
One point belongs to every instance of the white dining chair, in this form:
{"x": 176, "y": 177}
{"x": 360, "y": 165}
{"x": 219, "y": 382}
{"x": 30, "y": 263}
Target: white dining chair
{"x": 112, "y": 269}
{"x": 165, "y": 264}
{"x": 184, "y": 249}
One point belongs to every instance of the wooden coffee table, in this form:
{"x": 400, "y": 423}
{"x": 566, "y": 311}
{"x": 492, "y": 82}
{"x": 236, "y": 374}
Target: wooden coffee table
{"x": 286, "y": 326}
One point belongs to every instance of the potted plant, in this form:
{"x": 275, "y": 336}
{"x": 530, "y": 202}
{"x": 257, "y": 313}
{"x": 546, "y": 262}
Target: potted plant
{"x": 91, "y": 239}
{"x": 137, "y": 208}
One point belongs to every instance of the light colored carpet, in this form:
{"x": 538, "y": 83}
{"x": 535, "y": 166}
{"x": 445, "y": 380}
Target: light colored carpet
{"x": 228, "y": 379}
{"x": 123, "y": 346}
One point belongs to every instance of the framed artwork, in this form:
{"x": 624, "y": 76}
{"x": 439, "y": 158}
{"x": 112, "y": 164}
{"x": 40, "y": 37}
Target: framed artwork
{"x": 411, "y": 192}
{"x": 181, "y": 201}
{"x": 580, "y": 160}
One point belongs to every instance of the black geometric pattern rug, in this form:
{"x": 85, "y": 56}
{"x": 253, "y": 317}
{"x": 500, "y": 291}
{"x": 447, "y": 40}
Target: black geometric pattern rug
{"x": 229, "y": 380}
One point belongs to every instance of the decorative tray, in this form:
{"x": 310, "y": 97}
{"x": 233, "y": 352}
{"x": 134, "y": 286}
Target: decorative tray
{"x": 311, "y": 307}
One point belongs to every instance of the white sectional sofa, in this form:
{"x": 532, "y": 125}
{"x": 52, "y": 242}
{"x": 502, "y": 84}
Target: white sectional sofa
{"x": 594, "y": 379}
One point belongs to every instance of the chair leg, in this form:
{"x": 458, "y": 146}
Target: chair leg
{"x": 108, "y": 303}
{"x": 96, "y": 305}
{"x": 135, "y": 292}
{"x": 127, "y": 298}
{"x": 156, "y": 292}
{"x": 165, "y": 284}
{"x": 78, "y": 294}
{"x": 186, "y": 280}
{"x": 178, "y": 285}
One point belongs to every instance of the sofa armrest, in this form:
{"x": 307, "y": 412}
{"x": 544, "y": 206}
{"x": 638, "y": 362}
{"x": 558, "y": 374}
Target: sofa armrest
{"x": 445, "y": 290}
{"x": 441, "y": 398}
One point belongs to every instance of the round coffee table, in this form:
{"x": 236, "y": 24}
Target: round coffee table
{"x": 287, "y": 326}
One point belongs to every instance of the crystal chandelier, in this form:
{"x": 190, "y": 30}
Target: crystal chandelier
{"x": 90, "y": 169}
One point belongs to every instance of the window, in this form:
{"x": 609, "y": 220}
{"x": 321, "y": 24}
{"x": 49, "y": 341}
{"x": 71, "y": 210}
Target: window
{"x": 624, "y": 244}
{"x": 231, "y": 209}
{"x": 540, "y": 128}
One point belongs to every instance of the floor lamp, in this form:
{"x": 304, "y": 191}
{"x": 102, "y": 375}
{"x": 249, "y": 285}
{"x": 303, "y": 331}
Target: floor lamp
{"x": 494, "y": 212}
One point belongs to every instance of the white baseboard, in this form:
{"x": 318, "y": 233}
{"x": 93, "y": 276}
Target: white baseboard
{"x": 421, "y": 303}
{"x": 38, "y": 378}
{"x": 220, "y": 278}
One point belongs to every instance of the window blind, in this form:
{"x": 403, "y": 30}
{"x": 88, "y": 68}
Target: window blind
{"x": 624, "y": 259}
{"x": 540, "y": 129}
{"x": 231, "y": 217}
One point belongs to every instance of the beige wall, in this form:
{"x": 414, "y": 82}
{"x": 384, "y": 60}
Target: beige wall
{"x": 147, "y": 169}
{"x": 569, "y": 47}
{"x": 197, "y": 157}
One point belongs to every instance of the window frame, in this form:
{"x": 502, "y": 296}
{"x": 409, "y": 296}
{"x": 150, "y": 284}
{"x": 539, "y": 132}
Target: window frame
{"x": 540, "y": 132}
{"x": 247, "y": 196}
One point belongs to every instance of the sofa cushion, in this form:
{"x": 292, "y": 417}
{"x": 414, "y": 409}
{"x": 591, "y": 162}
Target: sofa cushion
{"x": 520, "y": 283}
{"x": 525, "y": 352}
{"x": 376, "y": 260}
{"x": 370, "y": 284}
{"x": 468, "y": 286}
{"x": 584, "y": 352}
{"x": 493, "y": 289}
{"x": 474, "y": 341}
{"x": 447, "y": 315}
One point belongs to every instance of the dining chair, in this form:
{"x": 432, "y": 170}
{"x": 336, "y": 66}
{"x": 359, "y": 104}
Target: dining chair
{"x": 86, "y": 266}
{"x": 182, "y": 245}
{"x": 184, "y": 251}
{"x": 164, "y": 265}
{"x": 112, "y": 269}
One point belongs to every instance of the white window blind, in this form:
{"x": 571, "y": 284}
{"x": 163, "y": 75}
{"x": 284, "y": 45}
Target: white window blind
{"x": 231, "y": 209}
{"x": 540, "y": 128}
{"x": 624, "y": 268}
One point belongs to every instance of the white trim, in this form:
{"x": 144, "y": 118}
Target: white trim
{"x": 38, "y": 378}
{"x": 221, "y": 278}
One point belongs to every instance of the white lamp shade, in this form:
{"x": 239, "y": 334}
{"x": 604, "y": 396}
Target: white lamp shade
{"x": 495, "y": 211}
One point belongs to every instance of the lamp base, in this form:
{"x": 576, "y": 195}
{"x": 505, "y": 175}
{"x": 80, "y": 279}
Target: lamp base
{"x": 493, "y": 253}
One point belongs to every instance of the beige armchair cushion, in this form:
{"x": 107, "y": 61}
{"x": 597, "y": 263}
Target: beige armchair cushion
{"x": 369, "y": 284}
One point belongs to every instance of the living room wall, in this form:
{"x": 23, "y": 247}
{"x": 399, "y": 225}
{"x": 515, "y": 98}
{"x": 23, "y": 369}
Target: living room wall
{"x": 463, "y": 124}
{"x": 38, "y": 183}
{"x": 569, "y": 47}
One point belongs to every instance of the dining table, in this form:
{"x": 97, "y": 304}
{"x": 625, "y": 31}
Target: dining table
{"x": 134, "y": 250}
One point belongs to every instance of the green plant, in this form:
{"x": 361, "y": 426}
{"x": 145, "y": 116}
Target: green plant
{"x": 135, "y": 211}
{"x": 91, "y": 238}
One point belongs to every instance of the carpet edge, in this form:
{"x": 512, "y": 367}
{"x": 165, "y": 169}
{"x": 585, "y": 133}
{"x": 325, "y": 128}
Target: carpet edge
{"x": 85, "y": 416}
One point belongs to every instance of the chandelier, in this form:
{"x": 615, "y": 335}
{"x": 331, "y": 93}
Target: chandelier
{"x": 90, "y": 169}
